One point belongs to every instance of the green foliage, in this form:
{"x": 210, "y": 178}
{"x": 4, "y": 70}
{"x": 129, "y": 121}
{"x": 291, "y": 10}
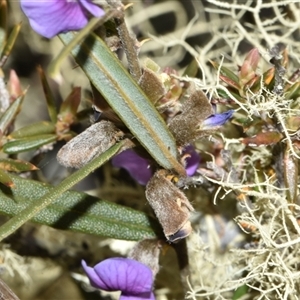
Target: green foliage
{"x": 126, "y": 98}
{"x": 76, "y": 211}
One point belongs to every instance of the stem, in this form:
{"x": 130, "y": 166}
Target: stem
{"x": 127, "y": 42}
{"x": 17, "y": 221}
{"x": 183, "y": 263}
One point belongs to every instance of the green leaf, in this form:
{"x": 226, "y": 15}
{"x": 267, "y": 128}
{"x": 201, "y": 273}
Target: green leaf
{"x": 49, "y": 95}
{"x": 29, "y": 143}
{"x": 3, "y": 25}
{"x": 126, "y": 98}
{"x": 230, "y": 82}
{"x": 233, "y": 92}
{"x": 227, "y": 75}
{"x": 192, "y": 69}
{"x": 10, "y": 43}
{"x": 32, "y": 209}
{"x": 9, "y": 115}
{"x": 6, "y": 179}
{"x": 16, "y": 165}
{"x": 293, "y": 91}
{"x": 76, "y": 211}
{"x": 38, "y": 128}
{"x": 240, "y": 292}
{"x": 68, "y": 111}
{"x": 266, "y": 78}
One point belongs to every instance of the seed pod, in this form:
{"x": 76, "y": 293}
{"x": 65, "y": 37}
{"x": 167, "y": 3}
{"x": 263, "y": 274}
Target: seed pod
{"x": 185, "y": 126}
{"x": 90, "y": 143}
{"x": 147, "y": 252}
{"x": 170, "y": 205}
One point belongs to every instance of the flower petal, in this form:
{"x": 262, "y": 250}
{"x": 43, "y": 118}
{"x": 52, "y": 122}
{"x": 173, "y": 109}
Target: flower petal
{"x": 127, "y": 275}
{"x": 217, "y": 119}
{"x": 93, "y": 277}
{"x": 144, "y": 296}
{"x": 137, "y": 166}
{"x": 192, "y": 162}
{"x": 50, "y": 17}
{"x": 139, "y": 169}
{"x": 93, "y": 9}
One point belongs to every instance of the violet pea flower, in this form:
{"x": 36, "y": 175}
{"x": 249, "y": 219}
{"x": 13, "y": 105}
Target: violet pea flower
{"x": 132, "y": 278}
{"x": 139, "y": 167}
{"x": 51, "y": 17}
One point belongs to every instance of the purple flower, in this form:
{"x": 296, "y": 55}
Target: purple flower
{"x": 50, "y": 17}
{"x": 217, "y": 119}
{"x": 132, "y": 278}
{"x": 192, "y": 161}
{"x": 140, "y": 169}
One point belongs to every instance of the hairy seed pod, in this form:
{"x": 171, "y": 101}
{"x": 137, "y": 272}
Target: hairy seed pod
{"x": 92, "y": 142}
{"x": 185, "y": 126}
{"x": 170, "y": 205}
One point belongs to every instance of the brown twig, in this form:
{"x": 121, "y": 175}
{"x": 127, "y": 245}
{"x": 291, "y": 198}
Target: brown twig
{"x": 183, "y": 262}
{"x": 127, "y": 40}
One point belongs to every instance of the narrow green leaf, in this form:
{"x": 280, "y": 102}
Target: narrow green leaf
{"x": 68, "y": 111}
{"x": 3, "y": 24}
{"x": 77, "y": 212}
{"x": 29, "y": 143}
{"x": 49, "y": 96}
{"x": 240, "y": 292}
{"x": 6, "y": 179}
{"x": 126, "y": 98}
{"x": 16, "y": 165}
{"x": 10, "y": 43}
{"x": 230, "y": 82}
{"x": 293, "y": 91}
{"x": 34, "y": 208}
{"x": 9, "y": 115}
{"x": 267, "y": 78}
{"x": 38, "y": 128}
{"x": 53, "y": 68}
{"x": 226, "y": 73}
{"x": 192, "y": 69}
{"x": 233, "y": 92}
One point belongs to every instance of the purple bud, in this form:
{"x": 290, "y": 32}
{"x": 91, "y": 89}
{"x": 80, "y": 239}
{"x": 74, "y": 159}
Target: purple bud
{"x": 217, "y": 119}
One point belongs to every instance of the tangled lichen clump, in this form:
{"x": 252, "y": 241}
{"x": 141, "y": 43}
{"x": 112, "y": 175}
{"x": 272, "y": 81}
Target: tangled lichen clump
{"x": 272, "y": 261}
{"x": 258, "y": 164}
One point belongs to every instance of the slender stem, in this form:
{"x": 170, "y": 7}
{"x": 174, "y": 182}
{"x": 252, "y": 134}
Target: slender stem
{"x": 17, "y": 221}
{"x": 127, "y": 42}
{"x": 183, "y": 262}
